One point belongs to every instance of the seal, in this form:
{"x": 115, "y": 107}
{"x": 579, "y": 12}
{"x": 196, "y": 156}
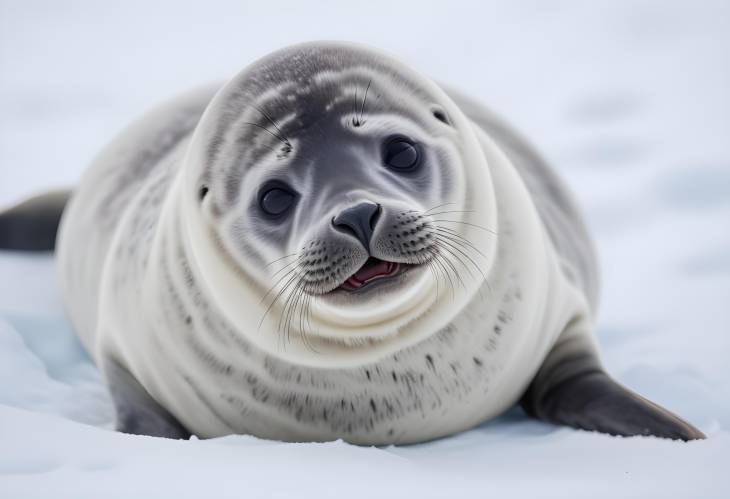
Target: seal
{"x": 331, "y": 245}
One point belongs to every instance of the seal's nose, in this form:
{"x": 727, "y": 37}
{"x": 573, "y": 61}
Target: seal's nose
{"x": 359, "y": 221}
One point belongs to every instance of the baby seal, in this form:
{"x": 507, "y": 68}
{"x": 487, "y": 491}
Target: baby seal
{"x": 331, "y": 245}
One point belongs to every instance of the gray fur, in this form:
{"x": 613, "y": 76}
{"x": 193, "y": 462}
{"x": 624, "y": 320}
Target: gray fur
{"x": 136, "y": 411}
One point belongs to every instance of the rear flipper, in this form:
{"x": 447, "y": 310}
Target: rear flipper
{"x": 572, "y": 389}
{"x": 32, "y": 224}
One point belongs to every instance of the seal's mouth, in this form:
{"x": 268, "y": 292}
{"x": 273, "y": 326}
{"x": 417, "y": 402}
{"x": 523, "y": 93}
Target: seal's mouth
{"x": 372, "y": 270}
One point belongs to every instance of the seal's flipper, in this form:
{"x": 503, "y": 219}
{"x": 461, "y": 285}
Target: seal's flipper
{"x": 572, "y": 389}
{"x": 32, "y": 224}
{"x": 137, "y": 412}
{"x": 593, "y": 401}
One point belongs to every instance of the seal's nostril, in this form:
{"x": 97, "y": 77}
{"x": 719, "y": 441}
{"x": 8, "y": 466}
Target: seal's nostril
{"x": 358, "y": 221}
{"x": 375, "y": 217}
{"x": 347, "y": 228}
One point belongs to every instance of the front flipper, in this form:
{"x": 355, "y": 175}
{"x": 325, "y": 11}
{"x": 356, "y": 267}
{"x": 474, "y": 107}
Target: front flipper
{"x": 572, "y": 389}
{"x": 137, "y": 412}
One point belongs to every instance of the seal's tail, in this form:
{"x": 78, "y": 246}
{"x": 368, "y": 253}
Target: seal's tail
{"x": 32, "y": 224}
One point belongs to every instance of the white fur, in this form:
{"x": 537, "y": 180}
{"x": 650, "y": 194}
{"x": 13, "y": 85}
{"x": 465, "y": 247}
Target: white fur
{"x": 524, "y": 286}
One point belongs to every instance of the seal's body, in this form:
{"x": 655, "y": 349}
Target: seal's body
{"x": 331, "y": 246}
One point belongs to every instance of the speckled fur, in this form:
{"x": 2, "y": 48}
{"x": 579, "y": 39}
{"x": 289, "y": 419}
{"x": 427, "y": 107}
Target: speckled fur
{"x": 115, "y": 243}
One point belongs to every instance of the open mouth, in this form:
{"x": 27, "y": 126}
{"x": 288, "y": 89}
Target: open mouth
{"x": 372, "y": 270}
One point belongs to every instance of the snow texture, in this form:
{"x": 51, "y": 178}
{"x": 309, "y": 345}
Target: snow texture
{"x": 630, "y": 101}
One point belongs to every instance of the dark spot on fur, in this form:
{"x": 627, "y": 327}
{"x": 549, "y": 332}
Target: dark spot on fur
{"x": 478, "y": 361}
{"x": 429, "y": 360}
{"x": 502, "y": 316}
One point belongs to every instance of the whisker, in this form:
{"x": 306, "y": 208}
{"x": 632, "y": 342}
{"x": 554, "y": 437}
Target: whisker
{"x": 448, "y": 262}
{"x": 362, "y": 107}
{"x": 435, "y": 207}
{"x": 437, "y": 261}
{"x": 308, "y": 314}
{"x": 285, "y": 307}
{"x": 435, "y": 277}
{"x": 486, "y": 281}
{"x": 283, "y": 318}
{"x": 286, "y": 141}
{"x": 296, "y": 304}
{"x": 428, "y": 210}
{"x": 454, "y": 247}
{"x": 279, "y": 259}
{"x": 305, "y": 340}
{"x": 302, "y": 311}
{"x": 444, "y": 231}
{"x": 354, "y": 110}
{"x": 263, "y": 298}
{"x": 288, "y": 283}
{"x": 465, "y": 245}
{"x": 450, "y": 211}
{"x": 469, "y": 224}
{"x": 298, "y": 260}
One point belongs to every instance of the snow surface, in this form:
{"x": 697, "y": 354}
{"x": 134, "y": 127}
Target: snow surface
{"x": 630, "y": 101}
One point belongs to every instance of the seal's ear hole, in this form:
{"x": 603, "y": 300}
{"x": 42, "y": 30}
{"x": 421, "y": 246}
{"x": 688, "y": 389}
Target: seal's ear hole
{"x": 440, "y": 115}
{"x": 203, "y": 192}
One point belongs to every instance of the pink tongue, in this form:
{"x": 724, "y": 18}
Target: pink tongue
{"x": 371, "y": 270}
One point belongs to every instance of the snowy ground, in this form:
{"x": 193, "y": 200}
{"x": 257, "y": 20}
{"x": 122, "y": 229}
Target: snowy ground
{"x": 630, "y": 100}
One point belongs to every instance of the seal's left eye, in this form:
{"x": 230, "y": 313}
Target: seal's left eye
{"x": 401, "y": 155}
{"x": 276, "y": 200}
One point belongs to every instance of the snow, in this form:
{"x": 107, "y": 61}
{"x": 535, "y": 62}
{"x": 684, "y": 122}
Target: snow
{"x": 629, "y": 100}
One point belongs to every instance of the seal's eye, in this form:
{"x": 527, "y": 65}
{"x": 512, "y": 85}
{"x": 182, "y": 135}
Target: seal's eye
{"x": 401, "y": 155}
{"x": 276, "y": 200}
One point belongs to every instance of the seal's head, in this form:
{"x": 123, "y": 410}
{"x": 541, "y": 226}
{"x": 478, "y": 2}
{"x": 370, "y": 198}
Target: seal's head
{"x": 336, "y": 181}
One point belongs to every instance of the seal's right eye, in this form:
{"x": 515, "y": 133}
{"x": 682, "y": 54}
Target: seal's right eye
{"x": 401, "y": 155}
{"x": 276, "y": 200}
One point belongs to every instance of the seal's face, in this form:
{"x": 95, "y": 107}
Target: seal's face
{"x": 332, "y": 177}
{"x": 341, "y": 200}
